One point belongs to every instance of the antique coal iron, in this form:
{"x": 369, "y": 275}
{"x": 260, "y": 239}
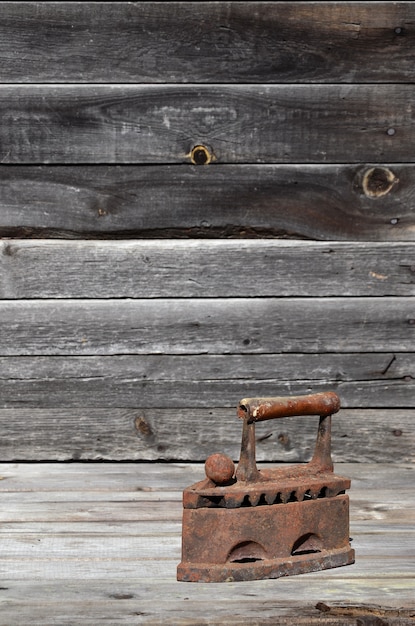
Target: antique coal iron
{"x": 254, "y": 524}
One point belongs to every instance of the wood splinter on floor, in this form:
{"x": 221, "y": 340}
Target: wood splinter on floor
{"x": 367, "y": 610}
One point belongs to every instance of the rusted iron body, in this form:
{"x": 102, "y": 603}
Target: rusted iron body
{"x": 252, "y": 524}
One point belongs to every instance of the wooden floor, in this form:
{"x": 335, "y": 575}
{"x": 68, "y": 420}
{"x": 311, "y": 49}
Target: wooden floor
{"x": 99, "y": 543}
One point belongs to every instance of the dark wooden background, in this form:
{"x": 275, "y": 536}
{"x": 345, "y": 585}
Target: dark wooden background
{"x": 201, "y": 201}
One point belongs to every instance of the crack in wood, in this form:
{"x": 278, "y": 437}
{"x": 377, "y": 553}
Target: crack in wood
{"x": 384, "y": 371}
{"x": 194, "y": 232}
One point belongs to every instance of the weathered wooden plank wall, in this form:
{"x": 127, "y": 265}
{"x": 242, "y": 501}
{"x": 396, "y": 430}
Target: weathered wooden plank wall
{"x": 199, "y": 202}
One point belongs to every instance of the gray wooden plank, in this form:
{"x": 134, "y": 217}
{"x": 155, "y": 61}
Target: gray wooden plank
{"x": 93, "y": 546}
{"x": 194, "y": 326}
{"x": 357, "y": 202}
{"x": 105, "y": 605}
{"x": 66, "y": 124}
{"x": 210, "y": 368}
{"x": 115, "y": 477}
{"x": 209, "y": 269}
{"x": 119, "y": 513}
{"x": 120, "y": 547}
{"x": 144, "y": 433}
{"x": 62, "y": 569}
{"x": 90, "y": 510}
{"x": 165, "y": 381}
{"x": 63, "y": 614}
{"x": 210, "y": 42}
{"x": 81, "y": 392}
{"x": 163, "y": 601}
{"x": 381, "y": 527}
{"x": 111, "y": 478}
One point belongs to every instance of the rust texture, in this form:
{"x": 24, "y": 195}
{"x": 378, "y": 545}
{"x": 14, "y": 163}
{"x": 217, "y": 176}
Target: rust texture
{"x": 248, "y": 524}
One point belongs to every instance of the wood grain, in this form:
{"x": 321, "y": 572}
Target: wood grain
{"x": 139, "y": 350}
{"x": 135, "y": 547}
{"x": 208, "y": 269}
{"x": 150, "y": 434}
{"x": 303, "y": 201}
{"x": 206, "y": 326}
{"x": 154, "y": 124}
{"x": 120, "y": 600}
{"x": 163, "y": 381}
{"x": 87, "y": 542}
{"x": 221, "y": 42}
{"x": 161, "y": 478}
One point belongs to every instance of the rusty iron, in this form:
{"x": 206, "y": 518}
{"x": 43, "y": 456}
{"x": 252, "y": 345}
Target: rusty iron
{"x": 252, "y": 524}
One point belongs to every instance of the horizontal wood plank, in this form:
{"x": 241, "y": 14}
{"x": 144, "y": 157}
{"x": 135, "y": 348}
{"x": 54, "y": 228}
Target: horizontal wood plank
{"x": 133, "y": 547}
{"x": 79, "y": 391}
{"x": 112, "y": 478}
{"x": 195, "y": 326}
{"x": 157, "y": 601}
{"x": 145, "y": 433}
{"x": 147, "y": 514}
{"x": 356, "y": 202}
{"x": 322, "y": 202}
{"x": 199, "y": 381}
{"x": 237, "y": 124}
{"x": 160, "y": 478}
{"x": 210, "y": 42}
{"x": 208, "y": 269}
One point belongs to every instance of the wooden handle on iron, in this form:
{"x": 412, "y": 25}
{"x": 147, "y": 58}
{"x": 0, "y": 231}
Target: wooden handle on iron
{"x": 260, "y": 409}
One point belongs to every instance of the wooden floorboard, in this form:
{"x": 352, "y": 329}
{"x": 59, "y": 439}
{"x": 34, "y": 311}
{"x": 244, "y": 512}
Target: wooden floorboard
{"x": 100, "y": 543}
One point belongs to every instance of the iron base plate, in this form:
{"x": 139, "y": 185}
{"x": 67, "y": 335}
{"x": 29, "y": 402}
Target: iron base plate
{"x": 260, "y": 570}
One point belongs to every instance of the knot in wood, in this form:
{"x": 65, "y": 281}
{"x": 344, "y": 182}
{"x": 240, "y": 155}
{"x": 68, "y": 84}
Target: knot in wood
{"x": 200, "y": 155}
{"x": 378, "y": 181}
